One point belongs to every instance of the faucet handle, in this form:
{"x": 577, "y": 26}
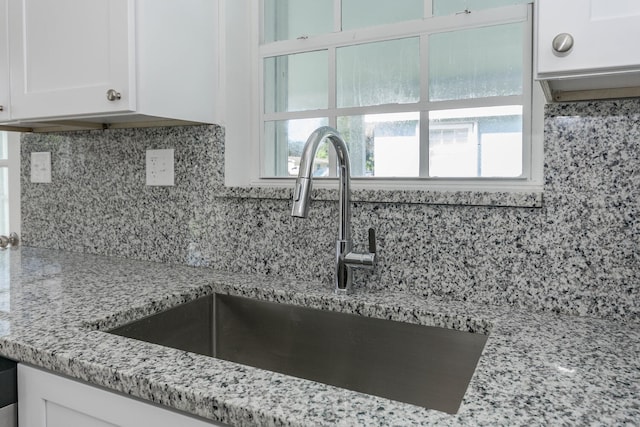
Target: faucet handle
{"x": 366, "y": 260}
{"x": 372, "y": 240}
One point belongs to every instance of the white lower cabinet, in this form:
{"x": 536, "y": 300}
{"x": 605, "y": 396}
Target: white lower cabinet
{"x": 49, "y": 400}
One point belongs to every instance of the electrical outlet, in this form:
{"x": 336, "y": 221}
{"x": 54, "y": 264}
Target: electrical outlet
{"x": 41, "y": 167}
{"x": 160, "y": 167}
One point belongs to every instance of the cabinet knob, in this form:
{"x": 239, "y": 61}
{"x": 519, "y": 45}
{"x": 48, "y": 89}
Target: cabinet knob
{"x": 113, "y": 95}
{"x": 562, "y": 43}
{"x": 1, "y": 108}
{"x": 12, "y": 240}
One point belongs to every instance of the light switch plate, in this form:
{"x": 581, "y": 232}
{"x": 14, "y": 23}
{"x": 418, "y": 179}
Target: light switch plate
{"x": 41, "y": 167}
{"x": 160, "y": 167}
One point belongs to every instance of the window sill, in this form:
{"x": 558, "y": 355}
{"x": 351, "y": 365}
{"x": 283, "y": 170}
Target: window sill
{"x": 519, "y": 199}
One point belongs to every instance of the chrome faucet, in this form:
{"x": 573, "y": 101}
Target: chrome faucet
{"x": 346, "y": 259}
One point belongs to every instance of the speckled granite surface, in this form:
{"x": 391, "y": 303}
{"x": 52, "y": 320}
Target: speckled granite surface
{"x": 536, "y": 369}
{"x": 577, "y": 254}
{"x": 410, "y": 197}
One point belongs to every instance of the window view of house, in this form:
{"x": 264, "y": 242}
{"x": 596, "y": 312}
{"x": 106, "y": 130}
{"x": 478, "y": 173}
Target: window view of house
{"x": 439, "y": 97}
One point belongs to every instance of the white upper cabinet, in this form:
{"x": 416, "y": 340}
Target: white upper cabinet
{"x": 111, "y": 61}
{"x": 67, "y": 54}
{"x": 4, "y": 63}
{"x": 588, "y": 45}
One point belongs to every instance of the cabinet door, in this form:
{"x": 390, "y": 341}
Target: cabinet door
{"x": 605, "y": 34}
{"x": 65, "y": 55}
{"x": 48, "y": 400}
{"x": 4, "y": 62}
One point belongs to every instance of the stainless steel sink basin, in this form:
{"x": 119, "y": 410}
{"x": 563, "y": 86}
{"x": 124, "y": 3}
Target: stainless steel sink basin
{"x": 421, "y": 365}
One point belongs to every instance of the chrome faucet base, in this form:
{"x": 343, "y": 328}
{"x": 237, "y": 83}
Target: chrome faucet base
{"x": 343, "y": 278}
{"x": 345, "y": 291}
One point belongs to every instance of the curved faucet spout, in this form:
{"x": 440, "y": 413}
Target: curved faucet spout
{"x": 345, "y": 259}
{"x": 302, "y": 191}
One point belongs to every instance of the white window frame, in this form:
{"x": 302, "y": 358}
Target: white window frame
{"x": 13, "y": 164}
{"x": 242, "y": 115}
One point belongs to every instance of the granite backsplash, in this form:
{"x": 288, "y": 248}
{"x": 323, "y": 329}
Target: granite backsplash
{"x": 577, "y": 252}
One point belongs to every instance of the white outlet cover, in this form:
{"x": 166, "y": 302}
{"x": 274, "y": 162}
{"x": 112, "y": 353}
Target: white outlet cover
{"x": 160, "y": 171}
{"x": 41, "y": 167}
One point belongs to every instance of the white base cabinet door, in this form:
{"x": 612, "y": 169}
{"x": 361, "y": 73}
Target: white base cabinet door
{"x": 49, "y": 400}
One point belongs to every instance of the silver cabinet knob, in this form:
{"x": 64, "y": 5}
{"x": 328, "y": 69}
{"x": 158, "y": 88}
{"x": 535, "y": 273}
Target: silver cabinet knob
{"x": 562, "y": 43}
{"x": 113, "y": 95}
{"x": 12, "y": 241}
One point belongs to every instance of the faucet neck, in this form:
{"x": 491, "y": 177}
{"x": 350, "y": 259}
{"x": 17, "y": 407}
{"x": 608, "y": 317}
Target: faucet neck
{"x": 302, "y": 191}
{"x": 344, "y": 197}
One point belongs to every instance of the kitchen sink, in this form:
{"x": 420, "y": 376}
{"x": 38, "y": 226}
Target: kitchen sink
{"x": 421, "y": 365}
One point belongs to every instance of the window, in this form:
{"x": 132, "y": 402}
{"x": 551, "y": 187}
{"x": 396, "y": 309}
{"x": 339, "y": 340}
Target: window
{"x": 9, "y": 183}
{"x": 4, "y": 185}
{"x": 425, "y": 90}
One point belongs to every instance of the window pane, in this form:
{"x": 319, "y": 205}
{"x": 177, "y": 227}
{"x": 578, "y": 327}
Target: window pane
{"x": 3, "y": 146}
{"x": 450, "y": 7}
{"x": 476, "y": 63}
{"x": 367, "y": 13}
{"x": 4, "y": 201}
{"x": 284, "y": 141}
{"x": 296, "y": 82}
{"x": 378, "y": 73}
{"x": 290, "y": 19}
{"x": 476, "y": 142}
{"x": 383, "y": 145}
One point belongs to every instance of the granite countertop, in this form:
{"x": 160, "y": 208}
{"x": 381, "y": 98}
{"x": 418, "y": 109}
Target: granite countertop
{"x": 536, "y": 368}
